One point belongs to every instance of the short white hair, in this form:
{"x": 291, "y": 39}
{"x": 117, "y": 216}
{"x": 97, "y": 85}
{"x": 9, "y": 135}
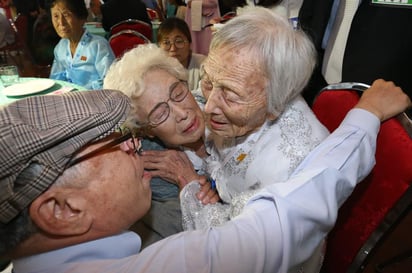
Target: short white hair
{"x": 287, "y": 56}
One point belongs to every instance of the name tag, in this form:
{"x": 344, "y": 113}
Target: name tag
{"x": 397, "y": 3}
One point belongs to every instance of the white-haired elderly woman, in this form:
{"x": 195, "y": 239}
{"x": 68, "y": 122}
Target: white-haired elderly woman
{"x": 261, "y": 128}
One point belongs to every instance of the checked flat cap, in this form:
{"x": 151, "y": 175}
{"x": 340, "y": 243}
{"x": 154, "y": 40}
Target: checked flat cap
{"x": 40, "y": 134}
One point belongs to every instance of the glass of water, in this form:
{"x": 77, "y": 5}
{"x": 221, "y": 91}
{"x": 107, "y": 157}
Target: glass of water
{"x": 9, "y": 75}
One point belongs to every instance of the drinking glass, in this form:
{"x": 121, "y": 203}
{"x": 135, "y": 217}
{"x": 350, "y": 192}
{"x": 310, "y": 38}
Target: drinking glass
{"x": 9, "y": 75}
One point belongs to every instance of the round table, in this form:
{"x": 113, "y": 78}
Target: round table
{"x": 95, "y": 28}
{"x": 58, "y": 86}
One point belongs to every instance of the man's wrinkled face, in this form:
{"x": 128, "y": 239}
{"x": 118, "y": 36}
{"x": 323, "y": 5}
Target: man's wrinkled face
{"x": 118, "y": 187}
{"x": 234, "y": 85}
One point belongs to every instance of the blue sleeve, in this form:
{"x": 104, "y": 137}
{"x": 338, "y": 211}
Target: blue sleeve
{"x": 58, "y": 69}
{"x": 104, "y": 58}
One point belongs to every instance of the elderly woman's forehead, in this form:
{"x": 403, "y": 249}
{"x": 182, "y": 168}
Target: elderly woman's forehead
{"x": 240, "y": 62}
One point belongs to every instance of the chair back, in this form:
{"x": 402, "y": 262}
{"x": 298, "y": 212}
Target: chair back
{"x": 379, "y": 204}
{"x": 153, "y": 15}
{"x": 125, "y": 40}
{"x": 227, "y": 16}
{"x": 133, "y": 24}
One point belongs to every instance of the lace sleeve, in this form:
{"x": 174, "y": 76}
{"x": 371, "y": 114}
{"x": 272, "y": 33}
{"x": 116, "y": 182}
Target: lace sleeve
{"x": 195, "y": 215}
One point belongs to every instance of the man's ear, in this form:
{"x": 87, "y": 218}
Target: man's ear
{"x": 61, "y": 211}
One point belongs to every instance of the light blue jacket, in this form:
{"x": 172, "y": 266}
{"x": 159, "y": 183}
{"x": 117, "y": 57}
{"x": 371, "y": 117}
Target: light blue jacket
{"x": 89, "y": 64}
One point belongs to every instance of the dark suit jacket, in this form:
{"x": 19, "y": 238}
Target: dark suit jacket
{"x": 114, "y": 11}
{"x": 379, "y": 44}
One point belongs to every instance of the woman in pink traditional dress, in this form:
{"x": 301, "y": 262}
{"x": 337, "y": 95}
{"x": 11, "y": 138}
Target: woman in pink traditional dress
{"x": 198, "y": 14}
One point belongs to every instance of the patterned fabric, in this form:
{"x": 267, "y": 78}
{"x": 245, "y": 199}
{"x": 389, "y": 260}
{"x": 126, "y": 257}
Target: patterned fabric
{"x": 267, "y": 156}
{"x": 243, "y": 165}
{"x": 39, "y": 135}
{"x": 89, "y": 64}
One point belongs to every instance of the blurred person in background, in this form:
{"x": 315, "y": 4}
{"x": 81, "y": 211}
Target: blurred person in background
{"x": 358, "y": 42}
{"x": 174, "y": 37}
{"x": 7, "y": 8}
{"x": 7, "y": 35}
{"x": 198, "y": 16}
{"x": 80, "y": 57}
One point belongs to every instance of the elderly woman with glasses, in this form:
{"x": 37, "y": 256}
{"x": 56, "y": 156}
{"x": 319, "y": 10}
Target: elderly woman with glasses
{"x": 174, "y": 37}
{"x": 162, "y": 102}
{"x": 261, "y": 128}
{"x": 165, "y": 107}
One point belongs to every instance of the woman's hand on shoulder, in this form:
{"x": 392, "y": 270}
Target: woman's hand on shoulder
{"x": 169, "y": 165}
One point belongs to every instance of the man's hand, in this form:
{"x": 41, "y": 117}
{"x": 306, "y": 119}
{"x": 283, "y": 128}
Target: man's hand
{"x": 384, "y": 99}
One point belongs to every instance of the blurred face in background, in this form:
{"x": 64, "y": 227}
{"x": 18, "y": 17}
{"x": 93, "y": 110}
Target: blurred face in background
{"x": 65, "y": 22}
{"x": 176, "y": 44}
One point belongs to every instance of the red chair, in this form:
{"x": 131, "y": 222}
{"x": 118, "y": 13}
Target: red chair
{"x": 153, "y": 15}
{"x": 227, "y": 16}
{"x": 125, "y": 40}
{"x": 380, "y": 204}
{"x": 133, "y": 24}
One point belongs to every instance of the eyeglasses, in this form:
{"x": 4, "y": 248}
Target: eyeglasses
{"x": 178, "y": 43}
{"x": 107, "y": 146}
{"x": 159, "y": 114}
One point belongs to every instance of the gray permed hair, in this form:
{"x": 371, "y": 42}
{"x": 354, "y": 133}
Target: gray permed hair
{"x": 126, "y": 74}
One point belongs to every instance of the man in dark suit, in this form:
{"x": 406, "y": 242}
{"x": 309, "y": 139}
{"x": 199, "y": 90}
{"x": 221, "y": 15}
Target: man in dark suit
{"x": 114, "y": 11}
{"x": 378, "y": 45}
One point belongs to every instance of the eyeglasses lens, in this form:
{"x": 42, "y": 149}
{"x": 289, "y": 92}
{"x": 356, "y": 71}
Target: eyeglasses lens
{"x": 178, "y": 43}
{"x": 161, "y": 111}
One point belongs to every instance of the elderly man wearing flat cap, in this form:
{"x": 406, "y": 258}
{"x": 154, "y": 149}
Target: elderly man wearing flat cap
{"x": 71, "y": 186}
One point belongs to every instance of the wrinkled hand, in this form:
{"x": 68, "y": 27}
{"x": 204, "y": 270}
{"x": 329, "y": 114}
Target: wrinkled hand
{"x": 384, "y": 99}
{"x": 169, "y": 165}
{"x": 206, "y": 194}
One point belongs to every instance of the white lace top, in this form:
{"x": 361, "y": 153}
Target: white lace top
{"x": 242, "y": 165}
